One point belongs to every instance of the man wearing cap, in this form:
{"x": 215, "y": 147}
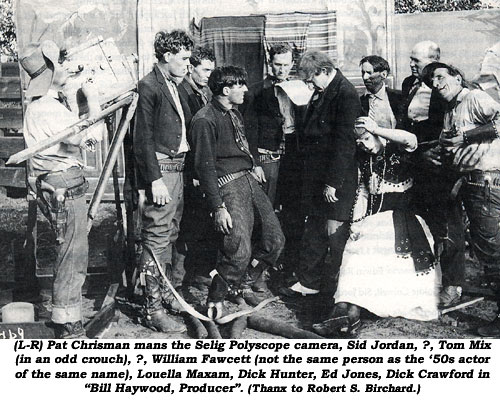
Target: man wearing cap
{"x": 61, "y": 185}
{"x": 471, "y": 142}
{"x": 423, "y": 116}
{"x": 160, "y": 147}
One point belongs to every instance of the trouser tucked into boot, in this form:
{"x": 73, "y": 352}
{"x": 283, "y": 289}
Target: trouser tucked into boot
{"x": 156, "y": 292}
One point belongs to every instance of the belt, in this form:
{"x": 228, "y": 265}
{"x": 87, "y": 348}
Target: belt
{"x": 480, "y": 178}
{"x": 224, "y": 180}
{"x": 73, "y": 192}
{"x": 172, "y": 164}
{"x": 273, "y": 152}
{"x": 269, "y": 158}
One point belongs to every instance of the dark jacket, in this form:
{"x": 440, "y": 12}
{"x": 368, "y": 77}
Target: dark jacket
{"x": 328, "y": 147}
{"x": 429, "y": 129}
{"x": 262, "y": 115}
{"x": 158, "y": 126}
{"x": 192, "y": 98}
{"x": 435, "y": 181}
{"x": 195, "y": 103}
{"x": 216, "y": 150}
{"x": 396, "y": 101}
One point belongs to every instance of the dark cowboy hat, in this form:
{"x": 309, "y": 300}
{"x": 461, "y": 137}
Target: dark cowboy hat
{"x": 38, "y": 61}
{"x": 428, "y": 71}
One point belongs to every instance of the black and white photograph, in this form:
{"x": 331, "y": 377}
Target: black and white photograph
{"x": 260, "y": 169}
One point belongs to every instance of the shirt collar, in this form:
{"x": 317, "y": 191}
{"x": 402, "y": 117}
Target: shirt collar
{"x": 462, "y": 94}
{"x": 219, "y": 106}
{"x": 457, "y": 100}
{"x": 381, "y": 94}
{"x": 192, "y": 83}
{"x": 168, "y": 78}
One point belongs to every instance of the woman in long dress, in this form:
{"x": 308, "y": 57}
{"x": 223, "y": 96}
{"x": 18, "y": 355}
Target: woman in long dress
{"x": 388, "y": 266}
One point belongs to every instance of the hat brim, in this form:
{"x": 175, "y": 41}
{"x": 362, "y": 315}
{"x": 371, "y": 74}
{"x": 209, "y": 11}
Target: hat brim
{"x": 429, "y": 70}
{"x": 40, "y": 85}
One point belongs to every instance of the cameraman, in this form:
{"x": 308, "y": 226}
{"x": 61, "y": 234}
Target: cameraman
{"x": 61, "y": 186}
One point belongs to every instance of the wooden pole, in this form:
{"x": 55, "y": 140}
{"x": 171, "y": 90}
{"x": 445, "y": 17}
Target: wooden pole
{"x": 110, "y": 161}
{"x": 68, "y": 132}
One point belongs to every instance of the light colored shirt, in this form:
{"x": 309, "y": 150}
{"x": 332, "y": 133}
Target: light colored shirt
{"x": 380, "y": 109}
{"x": 286, "y": 110}
{"x": 45, "y": 117}
{"x": 172, "y": 88}
{"x": 418, "y": 110}
{"x": 475, "y": 108}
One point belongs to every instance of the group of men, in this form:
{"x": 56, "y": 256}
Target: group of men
{"x": 213, "y": 154}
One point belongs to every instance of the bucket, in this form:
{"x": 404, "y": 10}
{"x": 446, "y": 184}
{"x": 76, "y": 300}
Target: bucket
{"x": 18, "y": 312}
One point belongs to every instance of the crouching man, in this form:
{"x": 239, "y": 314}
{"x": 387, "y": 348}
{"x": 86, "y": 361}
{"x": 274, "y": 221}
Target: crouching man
{"x": 229, "y": 176}
{"x": 60, "y": 183}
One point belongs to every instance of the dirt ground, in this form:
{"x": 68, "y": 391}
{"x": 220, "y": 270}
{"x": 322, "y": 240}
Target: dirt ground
{"x": 300, "y": 313}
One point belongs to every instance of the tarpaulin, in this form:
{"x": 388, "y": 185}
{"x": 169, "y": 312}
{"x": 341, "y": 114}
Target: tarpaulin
{"x": 236, "y": 41}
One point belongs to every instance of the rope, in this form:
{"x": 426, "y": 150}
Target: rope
{"x": 190, "y": 310}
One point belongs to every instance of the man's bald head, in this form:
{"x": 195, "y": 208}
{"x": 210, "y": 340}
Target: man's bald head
{"x": 422, "y": 54}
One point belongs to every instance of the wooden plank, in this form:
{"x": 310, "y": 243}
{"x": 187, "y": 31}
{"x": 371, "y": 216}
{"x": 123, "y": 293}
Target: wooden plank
{"x": 10, "y": 145}
{"x": 110, "y": 295}
{"x": 11, "y": 118}
{"x": 10, "y": 88}
{"x": 478, "y": 291}
{"x": 13, "y": 177}
{"x": 27, "y": 330}
{"x": 101, "y": 321}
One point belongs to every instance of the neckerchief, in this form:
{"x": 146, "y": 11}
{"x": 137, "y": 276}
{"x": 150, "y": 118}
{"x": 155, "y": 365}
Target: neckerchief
{"x": 239, "y": 131}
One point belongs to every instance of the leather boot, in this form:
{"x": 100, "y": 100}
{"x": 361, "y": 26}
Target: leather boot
{"x": 492, "y": 330}
{"x": 156, "y": 316}
{"x": 168, "y": 298}
{"x": 343, "y": 321}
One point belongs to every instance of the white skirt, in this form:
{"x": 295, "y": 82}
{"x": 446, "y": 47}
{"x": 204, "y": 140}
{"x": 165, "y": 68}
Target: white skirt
{"x": 372, "y": 276}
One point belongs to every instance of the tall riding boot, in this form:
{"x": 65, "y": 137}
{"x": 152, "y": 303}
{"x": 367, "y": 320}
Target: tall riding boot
{"x": 156, "y": 316}
{"x": 169, "y": 300}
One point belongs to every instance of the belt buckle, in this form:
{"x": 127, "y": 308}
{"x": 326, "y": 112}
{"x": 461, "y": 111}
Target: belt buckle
{"x": 274, "y": 157}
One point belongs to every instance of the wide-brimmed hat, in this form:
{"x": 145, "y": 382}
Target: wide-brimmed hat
{"x": 428, "y": 71}
{"x": 38, "y": 61}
